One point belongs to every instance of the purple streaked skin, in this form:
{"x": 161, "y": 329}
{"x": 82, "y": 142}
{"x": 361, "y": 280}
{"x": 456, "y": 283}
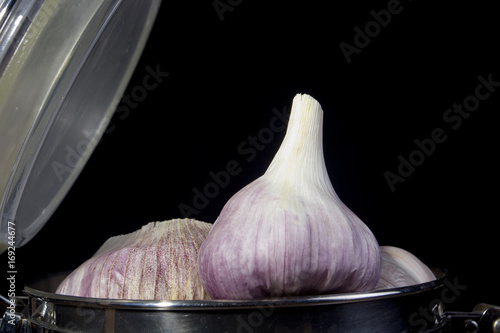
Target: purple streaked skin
{"x": 257, "y": 249}
{"x": 288, "y": 233}
{"x": 401, "y": 268}
{"x": 157, "y": 262}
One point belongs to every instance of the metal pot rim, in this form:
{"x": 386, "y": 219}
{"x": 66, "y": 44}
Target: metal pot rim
{"x": 200, "y": 305}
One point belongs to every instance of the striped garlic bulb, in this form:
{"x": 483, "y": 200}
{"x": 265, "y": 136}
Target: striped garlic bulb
{"x": 400, "y": 268}
{"x": 157, "y": 262}
{"x": 288, "y": 233}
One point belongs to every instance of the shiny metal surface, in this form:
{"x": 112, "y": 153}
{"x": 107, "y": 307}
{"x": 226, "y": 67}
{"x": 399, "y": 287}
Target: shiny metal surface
{"x": 5, "y": 8}
{"x": 393, "y": 310}
{"x": 418, "y": 308}
{"x": 490, "y": 319}
{"x": 496, "y": 326}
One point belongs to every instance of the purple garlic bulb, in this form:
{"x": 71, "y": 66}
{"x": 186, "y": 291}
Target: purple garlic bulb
{"x": 157, "y": 262}
{"x": 287, "y": 233}
{"x": 400, "y": 268}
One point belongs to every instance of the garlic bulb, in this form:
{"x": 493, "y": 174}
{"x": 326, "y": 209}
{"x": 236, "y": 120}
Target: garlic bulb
{"x": 157, "y": 262}
{"x": 400, "y": 268}
{"x": 288, "y": 233}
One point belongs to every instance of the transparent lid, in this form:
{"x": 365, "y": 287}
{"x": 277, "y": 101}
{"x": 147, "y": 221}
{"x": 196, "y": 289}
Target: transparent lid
{"x": 64, "y": 65}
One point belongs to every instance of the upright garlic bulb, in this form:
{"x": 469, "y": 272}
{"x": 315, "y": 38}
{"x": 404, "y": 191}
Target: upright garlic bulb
{"x": 288, "y": 233}
{"x": 157, "y": 262}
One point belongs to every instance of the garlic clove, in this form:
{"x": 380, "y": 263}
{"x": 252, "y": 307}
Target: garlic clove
{"x": 400, "y": 268}
{"x": 288, "y": 233}
{"x": 157, "y": 262}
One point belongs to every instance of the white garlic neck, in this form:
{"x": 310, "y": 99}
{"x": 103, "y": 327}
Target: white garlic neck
{"x": 300, "y": 157}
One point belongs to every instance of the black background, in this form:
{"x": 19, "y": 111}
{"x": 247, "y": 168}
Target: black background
{"x": 226, "y": 77}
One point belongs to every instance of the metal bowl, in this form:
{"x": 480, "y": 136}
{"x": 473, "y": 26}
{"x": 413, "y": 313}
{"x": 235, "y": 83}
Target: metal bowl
{"x": 409, "y": 309}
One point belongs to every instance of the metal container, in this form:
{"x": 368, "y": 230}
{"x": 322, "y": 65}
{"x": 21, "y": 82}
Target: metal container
{"x": 392, "y": 310}
{"x": 417, "y": 308}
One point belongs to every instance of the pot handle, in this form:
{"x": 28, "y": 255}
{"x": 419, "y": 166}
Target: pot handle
{"x": 14, "y": 318}
{"x": 484, "y": 318}
{"x": 490, "y": 318}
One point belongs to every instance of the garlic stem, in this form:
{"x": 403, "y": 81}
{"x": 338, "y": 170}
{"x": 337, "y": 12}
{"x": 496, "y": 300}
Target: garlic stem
{"x": 300, "y": 157}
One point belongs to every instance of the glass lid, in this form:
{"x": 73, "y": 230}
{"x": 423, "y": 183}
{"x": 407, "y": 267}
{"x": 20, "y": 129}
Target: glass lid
{"x": 64, "y": 65}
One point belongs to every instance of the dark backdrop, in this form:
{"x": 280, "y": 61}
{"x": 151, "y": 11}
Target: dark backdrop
{"x": 234, "y": 69}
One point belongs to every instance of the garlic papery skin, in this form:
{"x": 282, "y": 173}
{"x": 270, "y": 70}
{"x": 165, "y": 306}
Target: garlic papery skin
{"x": 157, "y": 262}
{"x": 400, "y": 268}
{"x": 287, "y": 233}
